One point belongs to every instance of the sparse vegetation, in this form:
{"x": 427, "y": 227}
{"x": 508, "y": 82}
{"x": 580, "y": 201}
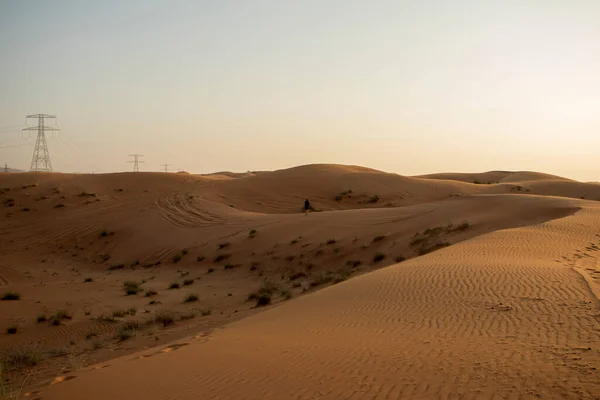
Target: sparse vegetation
{"x": 174, "y": 285}
{"x": 378, "y": 257}
{"x": 374, "y": 199}
{"x": 131, "y": 288}
{"x": 425, "y": 249}
{"x": 60, "y": 316}
{"x": 128, "y": 330}
{"x": 184, "y": 252}
{"x": 331, "y": 241}
{"x": 177, "y": 257}
{"x": 252, "y": 233}
{"x": 105, "y": 233}
{"x": 399, "y": 259}
{"x": 105, "y": 257}
{"x": 353, "y": 263}
{"x": 297, "y": 275}
{"x": 205, "y": 311}
{"x": 228, "y": 266}
{"x": 41, "y": 318}
{"x": 11, "y": 296}
{"x": 263, "y": 295}
{"x": 221, "y": 257}
{"x": 222, "y": 245}
{"x": 210, "y": 271}
{"x": 11, "y": 330}
{"x": 378, "y": 238}
{"x": 286, "y": 294}
{"x": 87, "y": 280}
{"x": 200, "y": 258}
{"x": 190, "y": 298}
{"x": 164, "y": 318}
{"x": 59, "y": 205}
{"x": 116, "y": 266}
{"x": 18, "y": 358}
{"x": 150, "y": 293}
{"x": 188, "y": 282}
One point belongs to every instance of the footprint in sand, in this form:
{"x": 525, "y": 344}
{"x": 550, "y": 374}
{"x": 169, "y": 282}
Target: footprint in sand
{"x": 60, "y": 379}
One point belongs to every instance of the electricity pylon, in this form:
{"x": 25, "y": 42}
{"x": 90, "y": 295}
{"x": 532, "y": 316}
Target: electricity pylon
{"x": 136, "y": 161}
{"x": 166, "y": 166}
{"x": 41, "y": 157}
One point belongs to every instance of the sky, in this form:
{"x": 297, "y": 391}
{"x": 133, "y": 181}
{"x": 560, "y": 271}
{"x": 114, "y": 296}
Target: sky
{"x": 410, "y": 87}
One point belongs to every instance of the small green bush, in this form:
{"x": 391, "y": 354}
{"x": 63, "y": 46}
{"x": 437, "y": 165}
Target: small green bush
{"x": 190, "y": 298}
{"x": 11, "y": 296}
{"x": 378, "y": 257}
{"x": 131, "y": 288}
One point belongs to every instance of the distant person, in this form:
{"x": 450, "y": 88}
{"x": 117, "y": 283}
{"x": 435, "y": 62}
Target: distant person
{"x": 306, "y": 206}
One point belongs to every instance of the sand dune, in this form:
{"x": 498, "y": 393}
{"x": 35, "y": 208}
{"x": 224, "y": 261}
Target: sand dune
{"x": 495, "y": 298}
{"x": 502, "y": 315}
{"x": 496, "y": 177}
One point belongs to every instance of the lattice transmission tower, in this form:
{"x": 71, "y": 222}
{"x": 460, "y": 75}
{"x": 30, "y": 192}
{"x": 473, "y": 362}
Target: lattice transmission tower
{"x": 166, "y": 166}
{"x": 41, "y": 157}
{"x": 136, "y": 161}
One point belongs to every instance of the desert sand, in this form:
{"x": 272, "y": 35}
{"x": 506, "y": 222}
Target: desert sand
{"x": 450, "y": 286}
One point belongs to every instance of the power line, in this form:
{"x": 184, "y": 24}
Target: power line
{"x": 136, "y": 161}
{"x": 166, "y": 166}
{"x": 41, "y": 157}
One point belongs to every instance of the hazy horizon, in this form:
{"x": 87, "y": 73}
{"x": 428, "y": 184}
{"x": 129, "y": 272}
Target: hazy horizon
{"x": 405, "y": 87}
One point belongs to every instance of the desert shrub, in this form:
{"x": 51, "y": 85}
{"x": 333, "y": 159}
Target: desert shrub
{"x": 429, "y": 248}
{"x": 106, "y": 257}
{"x": 374, "y": 199}
{"x": 86, "y": 280}
{"x": 20, "y": 358}
{"x": 41, "y": 318}
{"x": 165, "y": 318}
{"x": 378, "y": 238}
{"x": 127, "y": 331}
{"x": 331, "y": 241}
{"x": 222, "y": 245}
{"x": 188, "y": 282}
{"x": 252, "y": 233}
{"x": 91, "y": 335}
{"x": 174, "y": 285}
{"x": 131, "y": 288}
{"x": 190, "y": 298}
{"x": 210, "y": 271}
{"x": 205, "y": 311}
{"x": 200, "y": 258}
{"x": 353, "y": 263}
{"x": 297, "y": 275}
{"x": 61, "y": 315}
{"x": 184, "y": 251}
{"x": 151, "y": 293}
{"x": 221, "y": 257}
{"x": 321, "y": 279}
{"x": 296, "y": 285}
{"x": 116, "y": 266}
{"x": 228, "y": 266}
{"x": 177, "y": 257}
{"x": 378, "y": 257}
{"x": 399, "y": 259}
{"x": 263, "y": 295}
{"x": 286, "y": 294}
{"x": 11, "y": 330}
{"x": 11, "y": 296}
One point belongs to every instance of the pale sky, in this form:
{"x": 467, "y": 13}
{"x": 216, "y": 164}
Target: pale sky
{"x": 411, "y": 87}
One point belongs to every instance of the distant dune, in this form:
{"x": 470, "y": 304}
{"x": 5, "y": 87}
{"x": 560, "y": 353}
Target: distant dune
{"x": 394, "y": 287}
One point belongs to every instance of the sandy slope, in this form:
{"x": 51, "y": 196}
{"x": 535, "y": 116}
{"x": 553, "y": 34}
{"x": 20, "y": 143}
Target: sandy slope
{"x": 496, "y": 177}
{"x": 503, "y": 315}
